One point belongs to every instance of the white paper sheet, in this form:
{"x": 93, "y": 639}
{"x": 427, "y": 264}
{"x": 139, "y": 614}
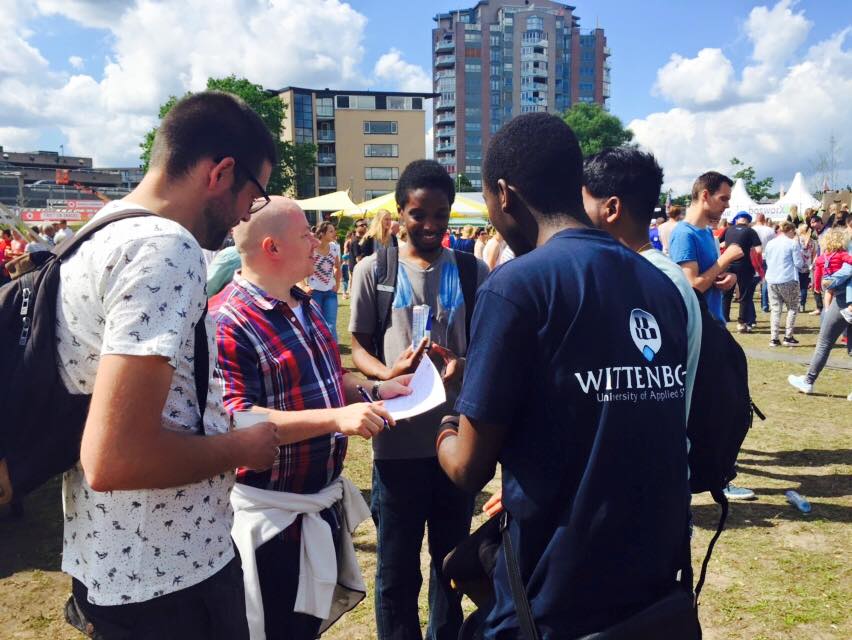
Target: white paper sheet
{"x": 427, "y": 392}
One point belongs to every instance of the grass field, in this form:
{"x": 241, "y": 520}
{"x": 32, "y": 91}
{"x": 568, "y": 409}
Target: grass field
{"x": 775, "y": 573}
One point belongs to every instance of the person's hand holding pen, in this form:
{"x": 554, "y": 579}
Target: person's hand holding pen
{"x": 368, "y": 418}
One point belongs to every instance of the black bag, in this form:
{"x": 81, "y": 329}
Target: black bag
{"x": 43, "y": 423}
{"x": 719, "y": 419}
{"x": 387, "y": 261}
{"x": 672, "y": 616}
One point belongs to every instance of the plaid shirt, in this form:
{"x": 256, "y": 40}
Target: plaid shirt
{"x": 267, "y": 359}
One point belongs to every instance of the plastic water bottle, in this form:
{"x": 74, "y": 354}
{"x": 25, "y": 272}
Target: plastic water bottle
{"x": 799, "y": 501}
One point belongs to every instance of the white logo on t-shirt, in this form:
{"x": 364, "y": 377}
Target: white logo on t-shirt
{"x": 645, "y": 333}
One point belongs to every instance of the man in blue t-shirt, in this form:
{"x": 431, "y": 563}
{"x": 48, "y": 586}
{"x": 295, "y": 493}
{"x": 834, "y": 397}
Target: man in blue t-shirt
{"x": 575, "y": 383}
{"x": 694, "y": 248}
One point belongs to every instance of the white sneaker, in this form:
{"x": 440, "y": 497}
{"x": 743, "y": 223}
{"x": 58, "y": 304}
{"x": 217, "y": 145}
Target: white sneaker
{"x": 800, "y": 383}
{"x": 846, "y": 314}
{"x": 849, "y": 397}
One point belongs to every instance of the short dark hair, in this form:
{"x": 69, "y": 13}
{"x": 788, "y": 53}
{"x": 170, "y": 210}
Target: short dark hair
{"x": 212, "y": 124}
{"x": 538, "y": 154}
{"x": 632, "y": 175}
{"x": 712, "y": 181}
{"x": 7, "y": 233}
{"x": 424, "y": 174}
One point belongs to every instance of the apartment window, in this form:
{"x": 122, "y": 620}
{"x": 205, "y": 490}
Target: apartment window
{"x": 381, "y": 173}
{"x": 535, "y": 22}
{"x": 473, "y": 37}
{"x": 472, "y": 168}
{"x": 475, "y": 67}
{"x": 381, "y": 150}
{"x": 303, "y": 115}
{"x": 325, "y": 107}
{"x": 472, "y": 111}
{"x": 369, "y": 194}
{"x": 380, "y": 127}
{"x": 495, "y": 85}
{"x": 356, "y": 102}
{"x": 399, "y": 103}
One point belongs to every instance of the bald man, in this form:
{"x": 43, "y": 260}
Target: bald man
{"x": 277, "y": 357}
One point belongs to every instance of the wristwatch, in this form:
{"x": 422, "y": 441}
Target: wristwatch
{"x": 374, "y": 391}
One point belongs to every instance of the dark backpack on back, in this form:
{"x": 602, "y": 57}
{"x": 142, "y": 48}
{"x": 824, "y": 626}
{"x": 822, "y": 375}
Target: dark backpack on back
{"x": 43, "y": 422}
{"x": 720, "y": 416}
{"x": 387, "y": 261}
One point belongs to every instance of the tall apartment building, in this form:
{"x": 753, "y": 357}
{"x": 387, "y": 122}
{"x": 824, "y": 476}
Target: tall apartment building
{"x": 364, "y": 138}
{"x": 503, "y": 58}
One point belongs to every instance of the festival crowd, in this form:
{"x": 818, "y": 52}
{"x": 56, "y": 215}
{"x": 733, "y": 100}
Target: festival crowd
{"x": 567, "y": 339}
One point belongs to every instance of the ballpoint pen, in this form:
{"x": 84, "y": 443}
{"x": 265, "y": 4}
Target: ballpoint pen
{"x": 366, "y": 397}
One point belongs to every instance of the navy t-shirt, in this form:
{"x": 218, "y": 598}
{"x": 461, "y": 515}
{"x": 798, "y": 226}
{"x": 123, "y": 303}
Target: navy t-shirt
{"x": 589, "y": 378}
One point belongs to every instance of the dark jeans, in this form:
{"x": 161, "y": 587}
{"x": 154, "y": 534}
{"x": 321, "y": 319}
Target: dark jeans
{"x": 746, "y": 283}
{"x": 764, "y": 294}
{"x": 818, "y": 300}
{"x": 278, "y": 564}
{"x": 804, "y": 281}
{"x": 408, "y": 495}
{"x": 213, "y": 609}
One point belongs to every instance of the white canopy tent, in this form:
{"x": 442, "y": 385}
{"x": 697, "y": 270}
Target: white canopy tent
{"x": 799, "y": 196}
{"x": 740, "y": 200}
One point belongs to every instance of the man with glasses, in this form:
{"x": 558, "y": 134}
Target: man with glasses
{"x": 148, "y": 520}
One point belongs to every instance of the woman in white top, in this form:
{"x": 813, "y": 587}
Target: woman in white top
{"x": 481, "y": 241}
{"x": 324, "y": 282}
{"x": 493, "y": 248}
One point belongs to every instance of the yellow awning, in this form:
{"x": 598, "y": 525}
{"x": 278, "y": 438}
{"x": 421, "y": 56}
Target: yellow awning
{"x": 462, "y": 207}
{"x": 328, "y": 202}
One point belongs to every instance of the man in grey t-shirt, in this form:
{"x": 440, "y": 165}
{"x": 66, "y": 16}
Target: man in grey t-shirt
{"x": 409, "y": 488}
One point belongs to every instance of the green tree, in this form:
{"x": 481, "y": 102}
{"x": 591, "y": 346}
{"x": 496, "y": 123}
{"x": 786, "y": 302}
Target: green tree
{"x": 757, "y": 189}
{"x": 463, "y": 184}
{"x": 595, "y": 128}
{"x": 296, "y": 161}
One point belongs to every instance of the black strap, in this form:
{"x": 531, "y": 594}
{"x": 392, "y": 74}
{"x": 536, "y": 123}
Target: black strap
{"x": 718, "y": 496}
{"x": 65, "y": 249}
{"x": 202, "y": 366}
{"x": 468, "y": 276}
{"x": 387, "y": 262}
{"x": 519, "y": 593}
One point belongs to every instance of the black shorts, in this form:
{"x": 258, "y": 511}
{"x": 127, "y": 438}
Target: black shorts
{"x": 214, "y": 609}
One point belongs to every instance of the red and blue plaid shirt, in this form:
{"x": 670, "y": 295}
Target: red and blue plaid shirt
{"x": 268, "y": 359}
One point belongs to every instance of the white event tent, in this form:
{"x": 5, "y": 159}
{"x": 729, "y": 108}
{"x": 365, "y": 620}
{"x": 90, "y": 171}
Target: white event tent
{"x": 799, "y": 196}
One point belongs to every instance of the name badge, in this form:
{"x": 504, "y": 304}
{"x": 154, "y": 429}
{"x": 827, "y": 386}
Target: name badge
{"x": 385, "y": 287}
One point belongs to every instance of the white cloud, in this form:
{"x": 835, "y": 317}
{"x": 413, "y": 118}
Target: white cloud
{"x": 392, "y": 69}
{"x": 779, "y": 129}
{"x": 160, "y": 49}
{"x": 430, "y": 138}
{"x": 705, "y": 80}
{"x": 76, "y": 62}
{"x": 17, "y": 139}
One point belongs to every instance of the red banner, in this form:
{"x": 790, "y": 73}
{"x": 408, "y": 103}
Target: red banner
{"x": 73, "y": 211}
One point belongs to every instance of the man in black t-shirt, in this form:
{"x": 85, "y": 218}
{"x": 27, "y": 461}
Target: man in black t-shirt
{"x": 740, "y": 233}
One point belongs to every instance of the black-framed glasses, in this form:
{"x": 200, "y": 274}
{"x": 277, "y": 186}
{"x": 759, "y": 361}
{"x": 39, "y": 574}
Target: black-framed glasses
{"x": 261, "y": 201}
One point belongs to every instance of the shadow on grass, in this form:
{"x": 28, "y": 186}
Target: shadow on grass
{"x": 34, "y": 540}
{"x": 796, "y": 458}
{"x": 760, "y": 514}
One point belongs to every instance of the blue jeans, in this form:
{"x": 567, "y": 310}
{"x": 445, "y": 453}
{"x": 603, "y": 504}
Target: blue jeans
{"x": 327, "y": 300}
{"x": 764, "y": 295}
{"x": 408, "y": 495}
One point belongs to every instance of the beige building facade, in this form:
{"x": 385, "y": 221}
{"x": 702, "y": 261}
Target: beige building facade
{"x": 364, "y": 139}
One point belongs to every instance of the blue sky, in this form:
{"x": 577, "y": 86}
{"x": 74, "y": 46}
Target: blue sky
{"x": 169, "y": 47}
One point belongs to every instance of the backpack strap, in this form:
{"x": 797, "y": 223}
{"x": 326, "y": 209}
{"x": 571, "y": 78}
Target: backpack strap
{"x": 519, "y": 592}
{"x": 68, "y": 247}
{"x": 719, "y": 497}
{"x": 387, "y": 263}
{"x": 201, "y": 366}
{"x": 468, "y": 276}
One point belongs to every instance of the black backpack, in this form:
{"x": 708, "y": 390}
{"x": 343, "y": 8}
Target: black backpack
{"x": 43, "y": 423}
{"x": 387, "y": 261}
{"x": 719, "y": 418}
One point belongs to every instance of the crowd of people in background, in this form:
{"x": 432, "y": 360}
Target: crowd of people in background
{"x": 576, "y": 258}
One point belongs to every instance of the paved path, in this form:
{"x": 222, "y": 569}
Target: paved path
{"x": 837, "y": 360}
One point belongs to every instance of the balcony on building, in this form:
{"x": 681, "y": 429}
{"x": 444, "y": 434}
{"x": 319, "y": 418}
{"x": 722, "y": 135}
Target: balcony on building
{"x": 444, "y": 62}
{"x": 445, "y": 46}
{"x": 449, "y": 159}
{"x": 442, "y": 147}
{"x": 444, "y": 74}
{"x": 445, "y": 117}
{"x": 328, "y": 182}
{"x": 325, "y": 135}
{"x": 445, "y": 132}
{"x": 534, "y": 38}
{"x": 326, "y": 159}
{"x": 445, "y": 104}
